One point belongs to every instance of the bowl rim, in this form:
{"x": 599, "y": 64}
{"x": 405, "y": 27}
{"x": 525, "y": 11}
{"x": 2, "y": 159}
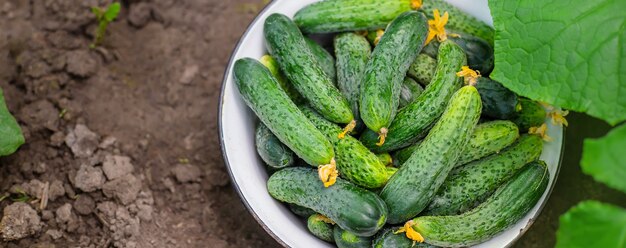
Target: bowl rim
{"x": 245, "y": 202}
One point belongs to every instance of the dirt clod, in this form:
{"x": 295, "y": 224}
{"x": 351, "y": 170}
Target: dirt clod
{"x": 115, "y": 166}
{"x": 82, "y": 63}
{"x": 140, "y": 14}
{"x": 185, "y": 173}
{"x": 19, "y": 221}
{"x": 84, "y": 205}
{"x": 123, "y": 189}
{"x": 82, "y": 141}
{"x": 89, "y": 178}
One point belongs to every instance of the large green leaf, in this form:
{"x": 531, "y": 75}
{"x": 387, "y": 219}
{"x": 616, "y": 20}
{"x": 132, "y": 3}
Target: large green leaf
{"x": 568, "y": 53}
{"x": 10, "y": 133}
{"x": 602, "y": 158}
{"x": 592, "y": 224}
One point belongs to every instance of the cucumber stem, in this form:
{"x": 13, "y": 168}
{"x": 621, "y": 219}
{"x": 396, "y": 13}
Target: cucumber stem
{"x": 347, "y": 129}
{"x": 410, "y": 232}
{"x": 381, "y": 136}
{"x": 328, "y": 173}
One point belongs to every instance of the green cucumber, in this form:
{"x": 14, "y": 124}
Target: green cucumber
{"x": 345, "y": 239}
{"x": 487, "y": 138}
{"x": 532, "y": 114}
{"x": 387, "y": 67}
{"x": 467, "y": 186}
{"x": 415, "y": 119}
{"x": 479, "y": 53}
{"x": 333, "y": 16}
{"x": 391, "y": 170}
{"x": 505, "y": 207}
{"x": 352, "y": 53}
{"x": 387, "y": 238}
{"x": 410, "y": 91}
{"x": 262, "y": 93}
{"x": 318, "y": 225}
{"x": 422, "y": 69}
{"x": 274, "y": 153}
{"x": 324, "y": 59}
{"x": 350, "y": 207}
{"x": 459, "y": 20}
{"x": 410, "y": 190}
{"x": 354, "y": 161}
{"x": 385, "y": 158}
{"x": 289, "y": 48}
{"x": 272, "y": 65}
{"x": 498, "y": 101}
{"x": 301, "y": 211}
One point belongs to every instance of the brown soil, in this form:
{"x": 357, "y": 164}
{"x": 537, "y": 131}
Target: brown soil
{"x": 121, "y": 140}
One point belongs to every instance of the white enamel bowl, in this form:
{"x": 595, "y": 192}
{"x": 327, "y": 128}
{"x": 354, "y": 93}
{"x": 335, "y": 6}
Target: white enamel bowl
{"x": 248, "y": 173}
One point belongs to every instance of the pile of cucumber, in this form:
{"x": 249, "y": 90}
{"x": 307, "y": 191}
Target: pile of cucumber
{"x": 379, "y": 143}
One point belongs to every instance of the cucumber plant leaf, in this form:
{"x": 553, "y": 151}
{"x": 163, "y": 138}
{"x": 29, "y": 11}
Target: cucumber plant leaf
{"x": 602, "y": 158}
{"x": 567, "y": 53}
{"x": 11, "y": 136}
{"x": 592, "y": 224}
{"x": 112, "y": 11}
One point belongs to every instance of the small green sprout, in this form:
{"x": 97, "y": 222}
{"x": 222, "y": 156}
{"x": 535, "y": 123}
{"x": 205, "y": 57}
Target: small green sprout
{"x": 104, "y": 17}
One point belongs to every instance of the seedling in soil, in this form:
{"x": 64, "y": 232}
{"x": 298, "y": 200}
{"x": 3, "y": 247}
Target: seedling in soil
{"x": 104, "y": 17}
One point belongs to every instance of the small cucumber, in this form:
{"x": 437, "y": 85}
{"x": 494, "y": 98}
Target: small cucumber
{"x": 262, "y": 93}
{"x": 354, "y": 161}
{"x": 532, "y": 114}
{"x": 333, "y": 16}
{"x": 352, "y": 53}
{"x": 467, "y": 186}
{"x": 505, "y": 207}
{"x": 289, "y": 48}
{"x": 422, "y": 69}
{"x": 487, "y": 138}
{"x": 272, "y": 65}
{"x": 498, "y": 101}
{"x": 410, "y": 190}
{"x": 274, "y": 153}
{"x": 345, "y": 239}
{"x": 415, "y": 119}
{"x": 385, "y": 158}
{"x": 324, "y": 59}
{"x": 459, "y": 20}
{"x": 410, "y": 91}
{"x": 301, "y": 211}
{"x": 387, "y": 238}
{"x": 321, "y": 227}
{"x": 352, "y": 208}
{"x": 387, "y": 67}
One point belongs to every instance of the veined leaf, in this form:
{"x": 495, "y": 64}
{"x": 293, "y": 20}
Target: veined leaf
{"x": 592, "y": 224}
{"x": 10, "y": 133}
{"x": 564, "y": 52}
{"x": 602, "y": 158}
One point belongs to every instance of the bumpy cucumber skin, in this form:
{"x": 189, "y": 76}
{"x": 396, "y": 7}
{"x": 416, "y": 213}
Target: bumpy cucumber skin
{"x": 387, "y": 68}
{"x": 387, "y": 239}
{"x": 352, "y": 208}
{"x": 479, "y": 53}
{"x": 467, "y": 186}
{"x": 273, "y": 152}
{"x": 505, "y": 207}
{"x": 498, "y": 101}
{"x": 410, "y": 91}
{"x": 354, "y": 161}
{"x": 410, "y": 190}
{"x": 332, "y": 16}
{"x": 324, "y": 58}
{"x": 287, "y": 45}
{"x": 352, "y": 52}
{"x": 531, "y": 115}
{"x": 489, "y": 138}
{"x": 422, "y": 69}
{"x": 319, "y": 228}
{"x": 274, "y": 68}
{"x": 459, "y": 20}
{"x": 263, "y": 95}
{"x": 415, "y": 119}
{"x": 385, "y": 158}
{"x": 301, "y": 211}
{"x": 345, "y": 239}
